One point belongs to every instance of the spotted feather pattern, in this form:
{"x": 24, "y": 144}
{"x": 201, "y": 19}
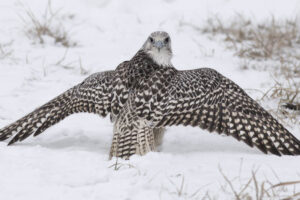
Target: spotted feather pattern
{"x": 131, "y": 136}
{"x": 101, "y": 93}
{"x": 160, "y": 96}
{"x": 206, "y": 99}
{"x": 91, "y": 96}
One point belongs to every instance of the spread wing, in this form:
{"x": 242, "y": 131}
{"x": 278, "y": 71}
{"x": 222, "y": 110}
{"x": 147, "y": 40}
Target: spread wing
{"x": 205, "y": 98}
{"x": 93, "y": 96}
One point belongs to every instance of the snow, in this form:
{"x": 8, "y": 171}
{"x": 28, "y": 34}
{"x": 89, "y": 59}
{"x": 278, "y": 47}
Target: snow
{"x": 70, "y": 160}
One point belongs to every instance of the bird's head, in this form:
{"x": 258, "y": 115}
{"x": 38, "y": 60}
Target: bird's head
{"x": 158, "y": 47}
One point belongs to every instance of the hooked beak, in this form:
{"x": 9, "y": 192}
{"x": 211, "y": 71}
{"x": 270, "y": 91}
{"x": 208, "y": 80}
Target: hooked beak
{"x": 159, "y": 45}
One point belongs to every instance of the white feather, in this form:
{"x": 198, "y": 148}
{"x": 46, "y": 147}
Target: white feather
{"x": 162, "y": 57}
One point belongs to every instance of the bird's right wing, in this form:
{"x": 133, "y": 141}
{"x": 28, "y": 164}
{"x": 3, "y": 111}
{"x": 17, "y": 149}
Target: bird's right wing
{"x": 93, "y": 96}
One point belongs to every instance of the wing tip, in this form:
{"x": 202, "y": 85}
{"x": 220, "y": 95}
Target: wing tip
{"x": 11, "y": 142}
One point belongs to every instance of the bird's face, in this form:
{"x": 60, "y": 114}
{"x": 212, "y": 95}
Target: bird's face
{"x": 158, "y": 46}
{"x": 159, "y": 41}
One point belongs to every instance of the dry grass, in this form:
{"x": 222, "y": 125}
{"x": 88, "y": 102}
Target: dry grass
{"x": 71, "y": 65}
{"x": 5, "y": 50}
{"x": 288, "y": 97}
{"x": 287, "y": 91}
{"x": 178, "y": 189}
{"x": 253, "y": 188}
{"x": 269, "y": 39}
{"x": 268, "y": 45}
{"x": 47, "y": 26}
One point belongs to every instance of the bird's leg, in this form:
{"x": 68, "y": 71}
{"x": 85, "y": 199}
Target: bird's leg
{"x": 132, "y": 135}
{"x": 158, "y": 137}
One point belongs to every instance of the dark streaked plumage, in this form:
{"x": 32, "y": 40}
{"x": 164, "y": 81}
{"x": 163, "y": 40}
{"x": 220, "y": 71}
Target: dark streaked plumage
{"x": 146, "y": 94}
{"x": 92, "y": 96}
{"x": 101, "y": 93}
{"x": 292, "y": 106}
{"x": 205, "y": 98}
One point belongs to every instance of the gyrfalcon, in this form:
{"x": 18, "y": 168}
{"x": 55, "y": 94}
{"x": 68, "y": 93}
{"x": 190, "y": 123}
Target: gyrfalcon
{"x": 146, "y": 94}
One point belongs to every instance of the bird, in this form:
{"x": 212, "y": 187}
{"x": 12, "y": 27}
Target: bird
{"x": 292, "y": 106}
{"x": 146, "y": 94}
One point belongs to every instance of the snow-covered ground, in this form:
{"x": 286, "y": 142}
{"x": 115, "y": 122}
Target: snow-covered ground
{"x": 70, "y": 160}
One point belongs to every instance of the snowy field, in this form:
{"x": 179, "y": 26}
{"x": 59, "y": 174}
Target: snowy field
{"x": 70, "y": 160}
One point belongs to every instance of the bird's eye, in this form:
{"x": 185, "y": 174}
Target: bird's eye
{"x": 167, "y": 40}
{"x": 151, "y": 39}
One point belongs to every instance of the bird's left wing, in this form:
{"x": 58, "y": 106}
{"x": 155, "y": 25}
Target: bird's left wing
{"x": 205, "y": 98}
